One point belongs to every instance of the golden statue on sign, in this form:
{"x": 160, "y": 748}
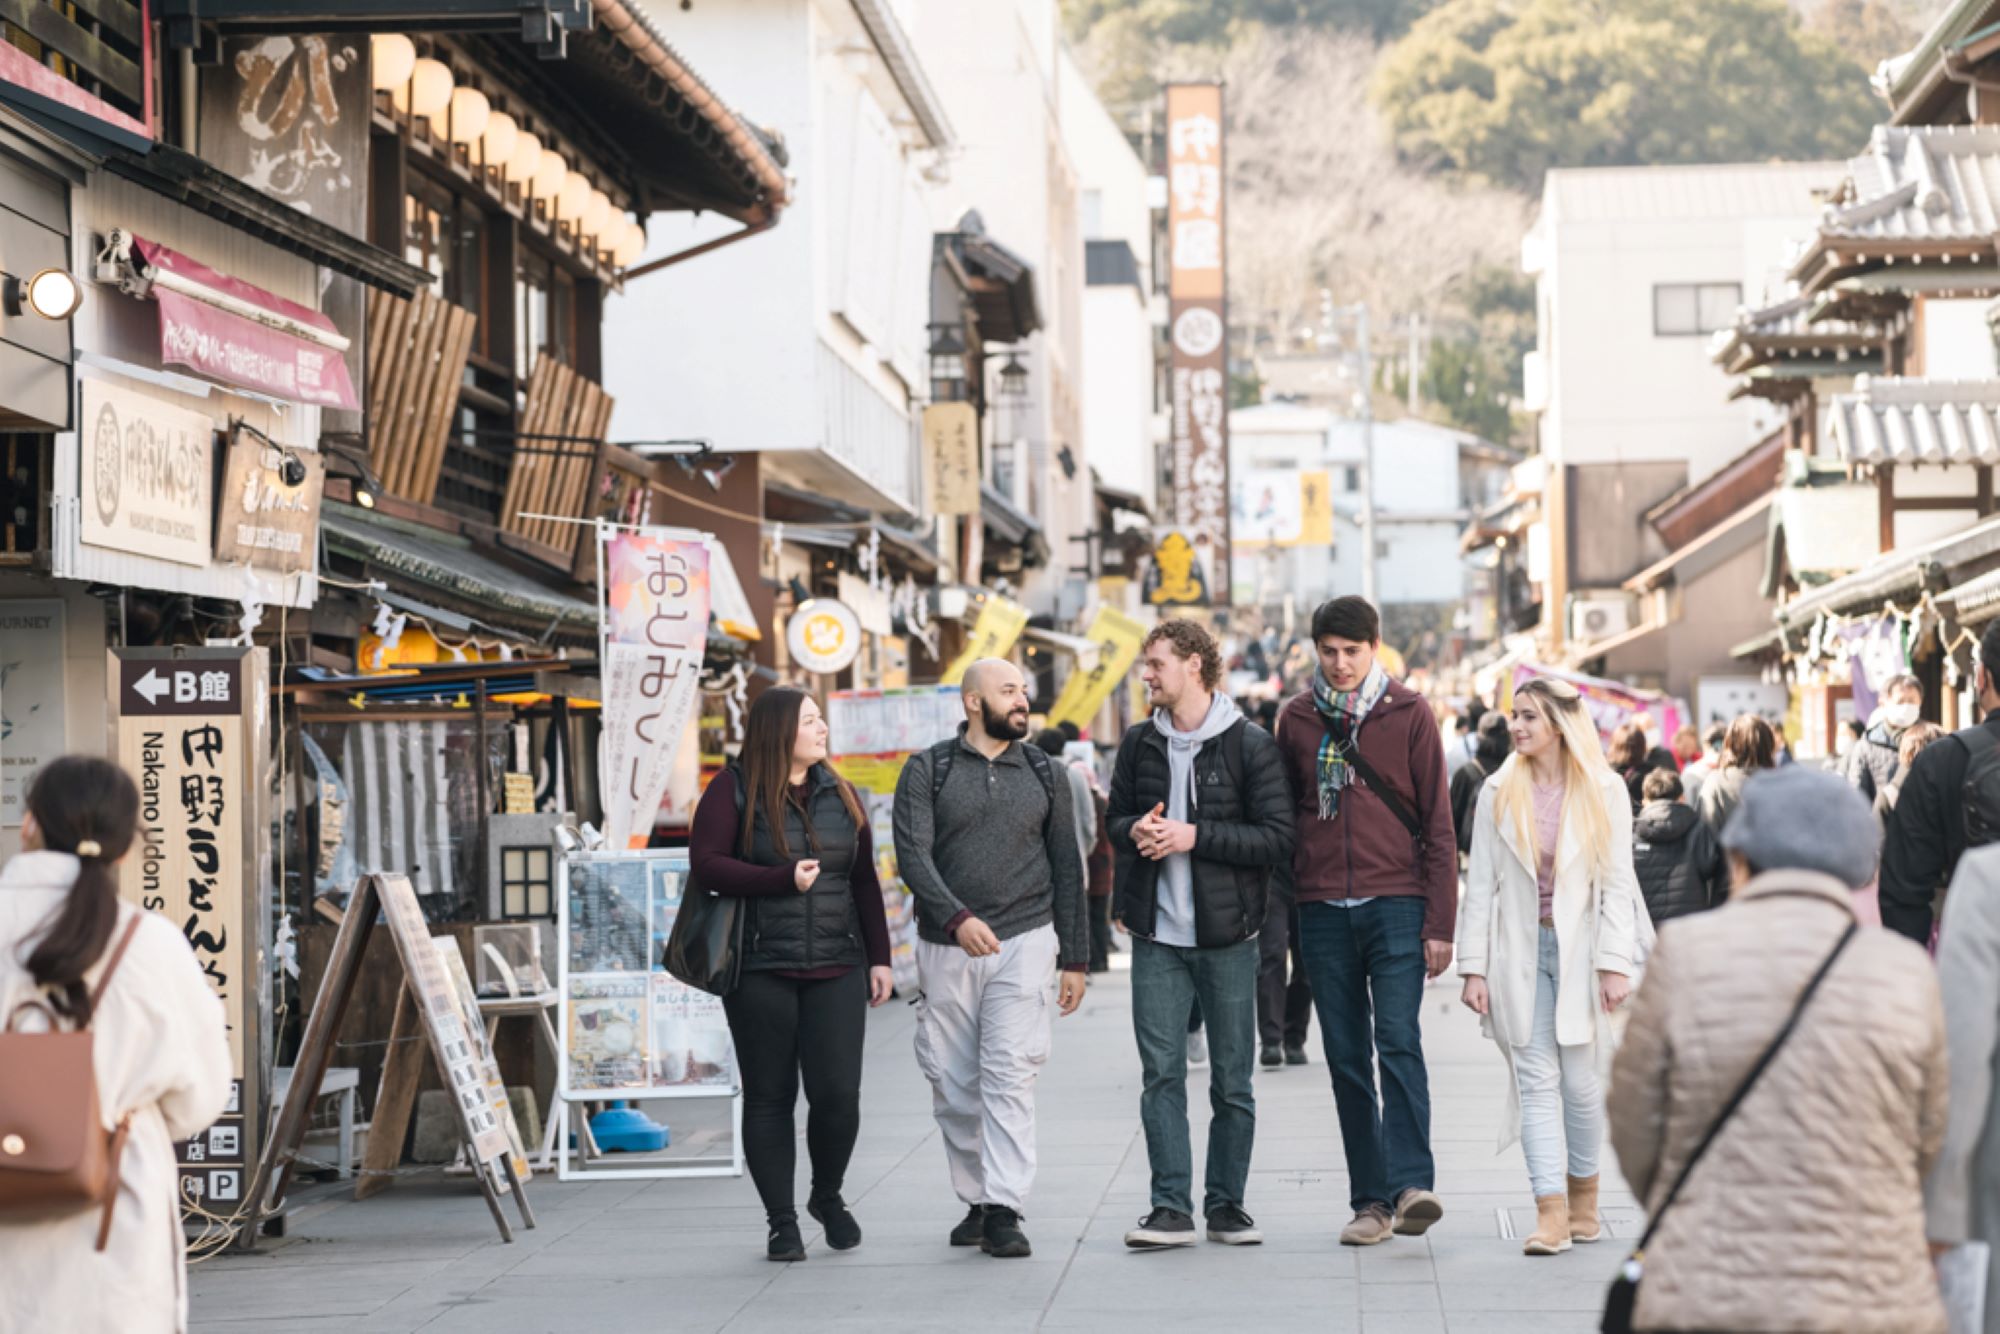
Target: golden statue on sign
{"x": 1176, "y": 577}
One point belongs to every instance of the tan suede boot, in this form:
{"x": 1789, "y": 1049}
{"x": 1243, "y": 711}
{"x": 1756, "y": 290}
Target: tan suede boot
{"x": 1584, "y": 1224}
{"x": 1551, "y": 1234}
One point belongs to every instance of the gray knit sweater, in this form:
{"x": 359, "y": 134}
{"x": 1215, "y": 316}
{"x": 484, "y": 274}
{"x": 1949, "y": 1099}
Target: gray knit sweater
{"x": 994, "y": 847}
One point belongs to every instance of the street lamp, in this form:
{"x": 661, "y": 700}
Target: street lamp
{"x": 1010, "y": 425}
{"x": 947, "y": 353}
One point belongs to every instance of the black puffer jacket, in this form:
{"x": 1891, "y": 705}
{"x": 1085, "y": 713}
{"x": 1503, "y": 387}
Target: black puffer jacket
{"x": 1679, "y": 863}
{"x": 816, "y": 929}
{"x": 1241, "y": 833}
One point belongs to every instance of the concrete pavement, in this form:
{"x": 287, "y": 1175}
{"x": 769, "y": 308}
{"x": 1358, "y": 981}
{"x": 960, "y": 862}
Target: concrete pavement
{"x": 687, "y": 1256}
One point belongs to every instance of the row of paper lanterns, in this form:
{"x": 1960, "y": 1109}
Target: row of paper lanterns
{"x": 420, "y": 86}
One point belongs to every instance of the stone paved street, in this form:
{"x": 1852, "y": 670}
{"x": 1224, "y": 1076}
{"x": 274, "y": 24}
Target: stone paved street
{"x": 686, "y": 1256}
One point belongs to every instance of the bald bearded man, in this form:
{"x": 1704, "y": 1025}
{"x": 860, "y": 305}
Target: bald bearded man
{"x": 985, "y": 841}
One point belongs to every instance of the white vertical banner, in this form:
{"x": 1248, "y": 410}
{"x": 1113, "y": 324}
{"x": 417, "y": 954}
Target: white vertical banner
{"x": 654, "y": 587}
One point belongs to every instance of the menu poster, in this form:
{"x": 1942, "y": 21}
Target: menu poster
{"x": 496, "y": 1087}
{"x": 631, "y": 1026}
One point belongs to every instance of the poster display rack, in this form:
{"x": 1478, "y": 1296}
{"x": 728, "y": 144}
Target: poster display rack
{"x": 630, "y": 1031}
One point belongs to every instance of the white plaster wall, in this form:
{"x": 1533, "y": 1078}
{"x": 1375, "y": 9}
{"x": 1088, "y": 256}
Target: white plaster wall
{"x": 82, "y": 704}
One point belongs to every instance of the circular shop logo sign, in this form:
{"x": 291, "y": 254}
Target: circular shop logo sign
{"x": 106, "y": 469}
{"x": 824, "y": 635}
{"x": 1197, "y": 331}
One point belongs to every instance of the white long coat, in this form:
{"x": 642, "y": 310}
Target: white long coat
{"x": 162, "y": 1052}
{"x": 1601, "y": 924}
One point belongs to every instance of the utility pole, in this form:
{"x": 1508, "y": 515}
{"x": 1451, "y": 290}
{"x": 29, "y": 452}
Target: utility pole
{"x": 1367, "y": 406}
{"x": 1416, "y": 360}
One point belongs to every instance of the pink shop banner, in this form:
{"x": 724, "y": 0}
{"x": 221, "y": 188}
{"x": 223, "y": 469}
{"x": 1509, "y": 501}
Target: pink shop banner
{"x": 236, "y": 350}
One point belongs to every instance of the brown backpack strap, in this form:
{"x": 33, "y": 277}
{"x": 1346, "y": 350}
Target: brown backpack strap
{"x": 117, "y": 955}
{"x": 111, "y": 1178}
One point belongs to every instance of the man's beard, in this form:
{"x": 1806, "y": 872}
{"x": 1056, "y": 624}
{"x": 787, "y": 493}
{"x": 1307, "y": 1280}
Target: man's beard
{"x": 1001, "y": 726}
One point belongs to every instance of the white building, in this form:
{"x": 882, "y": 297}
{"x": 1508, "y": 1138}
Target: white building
{"x": 1635, "y": 269}
{"x": 1123, "y": 418}
{"x": 996, "y": 66}
{"x": 1297, "y": 475}
{"x": 805, "y": 345}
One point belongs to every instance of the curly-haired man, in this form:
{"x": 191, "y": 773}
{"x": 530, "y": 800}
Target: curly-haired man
{"x": 1200, "y": 816}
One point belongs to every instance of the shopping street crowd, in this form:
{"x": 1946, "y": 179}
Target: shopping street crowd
{"x": 1673, "y": 946}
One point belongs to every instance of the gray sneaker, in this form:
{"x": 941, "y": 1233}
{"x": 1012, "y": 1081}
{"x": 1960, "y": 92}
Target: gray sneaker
{"x": 1161, "y": 1228}
{"x": 1416, "y": 1210}
{"x": 1197, "y": 1048}
{"x": 1229, "y": 1225}
{"x": 1371, "y": 1227}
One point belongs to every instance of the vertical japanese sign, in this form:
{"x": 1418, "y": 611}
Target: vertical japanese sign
{"x": 1198, "y": 325}
{"x": 951, "y": 442}
{"x": 1000, "y": 623}
{"x": 189, "y": 729}
{"x": 1118, "y": 637}
{"x": 654, "y": 583}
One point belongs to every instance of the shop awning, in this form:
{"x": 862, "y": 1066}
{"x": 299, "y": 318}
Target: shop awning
{"x": 728, "y": 604}
{"x": 1084, "y": 650}
{"x": 443, "y": 564}
{"x": 1009, "y": 524}
{"x": 1917, "y": 421}
{"x": 233, "y": 331}
{"x": 1896, "y": 574}
{"x": 1728, "y": 536}
{"x": 1976, "y": 601}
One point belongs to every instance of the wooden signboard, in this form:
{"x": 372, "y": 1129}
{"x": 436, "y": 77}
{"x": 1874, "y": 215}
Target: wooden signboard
{"x": 261, "y": 517}
{"x": 428, "y": 1001}
{"x": 189, "y": 725}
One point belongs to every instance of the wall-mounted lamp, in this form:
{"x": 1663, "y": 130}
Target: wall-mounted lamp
{"x": 292, "y": 469}
{"x": 53, "y": 294}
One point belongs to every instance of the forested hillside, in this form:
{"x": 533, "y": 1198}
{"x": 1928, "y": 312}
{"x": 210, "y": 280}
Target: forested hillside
{"x": 1393, "y": 150}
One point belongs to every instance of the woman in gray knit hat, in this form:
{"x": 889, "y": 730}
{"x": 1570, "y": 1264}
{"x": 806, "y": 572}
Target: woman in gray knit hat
{"x": 1807, "y": 1211}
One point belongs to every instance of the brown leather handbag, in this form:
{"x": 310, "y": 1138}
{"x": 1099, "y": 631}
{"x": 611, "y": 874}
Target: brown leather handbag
{"x": 56, "y": 1157}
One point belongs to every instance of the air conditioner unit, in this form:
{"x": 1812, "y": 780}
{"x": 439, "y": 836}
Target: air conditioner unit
{"x": 1595, "y": 618}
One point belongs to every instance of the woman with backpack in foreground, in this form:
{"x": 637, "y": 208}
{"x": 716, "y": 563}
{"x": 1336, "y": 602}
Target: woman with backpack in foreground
{"x": 73, "y": 957}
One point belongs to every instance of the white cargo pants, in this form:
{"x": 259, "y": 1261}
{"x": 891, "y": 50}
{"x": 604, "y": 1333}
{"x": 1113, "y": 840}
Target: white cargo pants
{"x": 982, "y": 1037}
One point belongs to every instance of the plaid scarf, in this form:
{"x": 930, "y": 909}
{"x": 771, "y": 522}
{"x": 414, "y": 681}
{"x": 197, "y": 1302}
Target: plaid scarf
{"x": 1343, "y": 713}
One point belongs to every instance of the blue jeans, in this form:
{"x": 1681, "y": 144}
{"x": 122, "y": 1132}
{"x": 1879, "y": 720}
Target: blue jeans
{"x": 1167, "y": 981}
{"x": 1366, "y": 966}
{"x": 1562, "y": 1108}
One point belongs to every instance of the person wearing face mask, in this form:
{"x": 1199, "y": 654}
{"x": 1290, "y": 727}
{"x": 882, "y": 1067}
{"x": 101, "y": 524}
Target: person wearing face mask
{"x": 1874, "y": 761}
{"x": 1549, "y": 943}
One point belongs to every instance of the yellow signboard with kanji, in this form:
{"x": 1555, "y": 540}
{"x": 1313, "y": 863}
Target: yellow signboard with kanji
{"x": 1117, "y": 637}
{"x": 999, "y": 625}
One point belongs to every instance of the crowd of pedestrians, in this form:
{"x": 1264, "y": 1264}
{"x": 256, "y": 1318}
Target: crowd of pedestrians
{"x": 1671, "y": 946}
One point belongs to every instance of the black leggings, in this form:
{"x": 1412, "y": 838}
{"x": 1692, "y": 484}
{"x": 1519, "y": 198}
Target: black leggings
{"x": 786, "y": 1028}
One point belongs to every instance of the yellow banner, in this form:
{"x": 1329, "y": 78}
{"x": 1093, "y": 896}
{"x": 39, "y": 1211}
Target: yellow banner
{"x": 1118, "y": 637}
{"x": 1000, "y": 624}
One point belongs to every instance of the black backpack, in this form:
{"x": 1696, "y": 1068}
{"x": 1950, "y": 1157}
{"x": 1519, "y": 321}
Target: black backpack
{"x": 1982, "y": 786}
{"x": 1038, "y": 759}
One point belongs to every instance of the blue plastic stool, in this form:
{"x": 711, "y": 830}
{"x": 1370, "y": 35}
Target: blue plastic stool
{"x": 623, "y": 1128}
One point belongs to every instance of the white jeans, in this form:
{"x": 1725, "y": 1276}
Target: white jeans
{"x": 982, "y": 1036}
{"x": 1562, "y": 1107}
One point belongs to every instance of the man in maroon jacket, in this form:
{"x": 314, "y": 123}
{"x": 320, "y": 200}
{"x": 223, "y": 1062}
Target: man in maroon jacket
{"x": 1375, "y": 866}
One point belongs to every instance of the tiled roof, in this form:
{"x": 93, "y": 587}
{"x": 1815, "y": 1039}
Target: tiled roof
{"x": 1889, "y": 420}
{"x": 1918, "y": 183}
{"x": 1727, "y": 190}
{"x": 1787, "y": 327}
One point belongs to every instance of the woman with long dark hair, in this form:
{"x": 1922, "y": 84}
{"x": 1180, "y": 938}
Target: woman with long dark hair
{"x": 1748, "y": 747}
{"x": 780, "y": 829}
{"x": 160, "y": 1053}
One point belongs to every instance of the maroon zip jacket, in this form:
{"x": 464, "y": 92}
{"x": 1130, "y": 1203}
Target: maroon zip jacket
{"x": 1364, "y": 852}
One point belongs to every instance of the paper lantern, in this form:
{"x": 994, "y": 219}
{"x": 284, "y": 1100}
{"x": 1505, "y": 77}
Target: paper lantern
{"x": 430, "y": 87}
{"x": 574, "y": 198}
{"x": 630, "y": 246}
{"x": 465, "y": 117}
{"x": 393, "y": 56}
{"x": 525, "y": 160}
{"x": 549, "y": 177}
{"x": 596, "y": 214}
{"x": 496, "y": 146}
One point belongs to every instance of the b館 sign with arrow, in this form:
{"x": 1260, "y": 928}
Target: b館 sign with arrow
{"x": 189, "y": 726}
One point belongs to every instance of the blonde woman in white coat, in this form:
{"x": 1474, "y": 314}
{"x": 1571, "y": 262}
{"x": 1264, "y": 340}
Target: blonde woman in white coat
{"x": 1550, "y": 937}
{"x": 160, "y": 1051}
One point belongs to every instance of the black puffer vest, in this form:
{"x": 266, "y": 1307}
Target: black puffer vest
{"x": 816, "y": 929}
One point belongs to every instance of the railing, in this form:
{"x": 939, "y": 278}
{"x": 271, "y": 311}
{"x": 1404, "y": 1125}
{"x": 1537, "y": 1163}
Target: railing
{"x": 96, "y": 44}
{"x": 558, "y": 455}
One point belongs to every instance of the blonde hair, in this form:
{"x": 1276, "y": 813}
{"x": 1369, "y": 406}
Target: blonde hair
{"x": 1584, "y": 772}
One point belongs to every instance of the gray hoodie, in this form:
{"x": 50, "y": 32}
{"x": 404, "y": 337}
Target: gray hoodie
{"x": 1175, "y": 925}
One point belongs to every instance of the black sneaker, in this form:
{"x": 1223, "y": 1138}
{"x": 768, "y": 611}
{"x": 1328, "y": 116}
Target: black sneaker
{"x": 1229, "y": 1225}
{"x": 1161, "y": 1228}
{"x": 842, "y": 1232}
{"x": 1295, "y": 1053}
{"x": 785, "y": 1242}
{"x": 971, "y": 1228}
{"x": 1272, "y": 1057}
{"x": 1003, "y": 1237}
